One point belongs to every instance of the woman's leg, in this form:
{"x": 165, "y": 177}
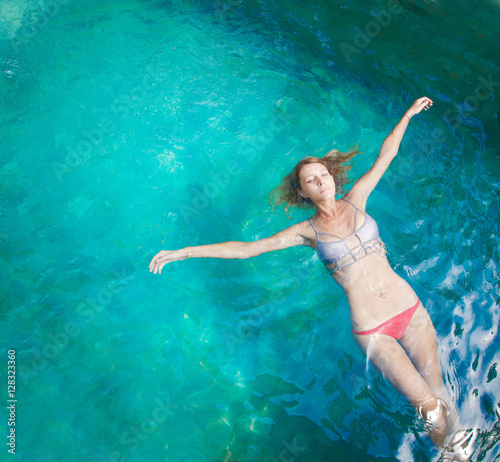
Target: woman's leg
{"x": 420, "y": 343}
{"x": 391, "y": 359}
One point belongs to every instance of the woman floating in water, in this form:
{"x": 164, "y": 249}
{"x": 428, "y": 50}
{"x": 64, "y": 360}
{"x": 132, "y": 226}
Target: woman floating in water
{"x": 389, "y": 322}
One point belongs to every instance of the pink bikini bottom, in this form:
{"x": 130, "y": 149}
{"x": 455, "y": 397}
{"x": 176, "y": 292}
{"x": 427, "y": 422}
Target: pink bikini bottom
{"x": 394, "y": 327}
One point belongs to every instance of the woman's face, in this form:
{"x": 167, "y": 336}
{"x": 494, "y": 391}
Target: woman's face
{"x": 316, "y": 183}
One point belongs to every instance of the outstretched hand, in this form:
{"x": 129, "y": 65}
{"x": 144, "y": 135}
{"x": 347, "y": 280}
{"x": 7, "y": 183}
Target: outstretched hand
{"x": 418, "y": 105}
{"x": 164, "y": 257}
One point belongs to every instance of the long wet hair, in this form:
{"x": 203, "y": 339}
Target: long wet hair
{"x": 287, "y": 193}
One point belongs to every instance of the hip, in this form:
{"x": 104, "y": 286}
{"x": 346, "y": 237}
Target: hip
{"x": 376, "y": 301}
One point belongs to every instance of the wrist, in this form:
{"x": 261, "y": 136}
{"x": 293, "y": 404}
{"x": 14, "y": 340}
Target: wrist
{"x": 407, "y": 116}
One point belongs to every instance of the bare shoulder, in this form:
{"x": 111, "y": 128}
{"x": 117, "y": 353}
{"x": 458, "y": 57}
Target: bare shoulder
{"x": 305, "y": 233}
{"x": 356, "y": 197}
{"x": 298, "y": 234}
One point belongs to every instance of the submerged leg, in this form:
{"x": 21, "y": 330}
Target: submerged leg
{"x": 420, "y": 343}
{"x": 391, "y": 359}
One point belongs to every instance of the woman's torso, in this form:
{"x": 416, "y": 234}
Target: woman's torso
{"x": 358, "y": 263}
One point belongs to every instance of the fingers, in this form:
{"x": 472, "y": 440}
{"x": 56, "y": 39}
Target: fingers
{"x": 425, "y": 102}
{"x": 157, "y": 267}
{"x": 152, "y": 264}
{"x": 420, "y": 104}
{"x": 158, "y": 262}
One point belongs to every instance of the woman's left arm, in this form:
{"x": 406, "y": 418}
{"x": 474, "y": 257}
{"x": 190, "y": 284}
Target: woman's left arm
{"x": 365, "y": 185}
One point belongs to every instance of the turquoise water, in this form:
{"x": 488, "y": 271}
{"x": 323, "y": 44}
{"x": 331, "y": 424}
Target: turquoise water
{"x": 136, "y": 126}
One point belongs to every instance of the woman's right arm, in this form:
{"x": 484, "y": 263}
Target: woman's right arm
{"x": 289, "y": 237}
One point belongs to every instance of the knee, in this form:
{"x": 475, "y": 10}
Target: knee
{"x": 434, "y": 412}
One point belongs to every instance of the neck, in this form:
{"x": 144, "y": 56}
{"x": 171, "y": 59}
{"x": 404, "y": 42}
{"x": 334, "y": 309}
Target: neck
{"x": 327, "y": 209}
